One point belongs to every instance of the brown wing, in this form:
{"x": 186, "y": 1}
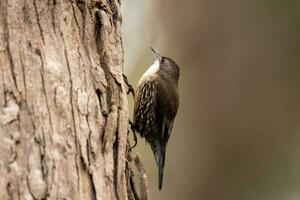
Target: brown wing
{"x": 168, "y": 101}
{"x": 156, "y": 105}
{"x": 167, "y": 98}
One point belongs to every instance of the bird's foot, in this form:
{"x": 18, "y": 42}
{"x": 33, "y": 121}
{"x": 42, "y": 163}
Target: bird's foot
{"x": 134, "y": 134}
{"x": 129, "y": 86}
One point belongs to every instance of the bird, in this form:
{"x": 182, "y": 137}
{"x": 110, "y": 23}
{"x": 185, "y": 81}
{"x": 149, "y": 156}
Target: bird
{"x": 155, "y": 106}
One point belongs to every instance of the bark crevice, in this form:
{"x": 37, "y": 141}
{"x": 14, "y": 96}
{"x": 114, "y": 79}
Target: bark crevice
{"x": 64, "y": 101}
{"x": 38, "y": 21}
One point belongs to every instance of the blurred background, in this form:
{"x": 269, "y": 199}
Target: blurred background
{"x": 237, "y": 132}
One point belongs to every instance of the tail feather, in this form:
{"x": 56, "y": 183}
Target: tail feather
{"x": 161, "y": 170}
{"x": 159, "y": 153}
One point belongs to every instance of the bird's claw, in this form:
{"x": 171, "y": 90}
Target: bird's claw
{"x": 129, "y": 86}
{"x": 134, "y": 134}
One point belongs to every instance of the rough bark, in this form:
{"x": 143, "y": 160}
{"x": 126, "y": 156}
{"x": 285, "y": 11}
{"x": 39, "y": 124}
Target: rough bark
{"x": 63, "y": 100}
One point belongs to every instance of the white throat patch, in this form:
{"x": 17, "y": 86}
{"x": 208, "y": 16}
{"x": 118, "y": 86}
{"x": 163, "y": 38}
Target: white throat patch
{"x": 153, "y": 69}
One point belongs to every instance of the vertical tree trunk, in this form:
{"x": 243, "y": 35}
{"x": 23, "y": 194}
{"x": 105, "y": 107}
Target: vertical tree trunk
{"x": 63, "y": 116}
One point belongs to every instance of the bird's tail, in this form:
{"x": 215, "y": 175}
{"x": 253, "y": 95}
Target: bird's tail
{"x": 159, "y": 153}
{"x": 161, "y": 166}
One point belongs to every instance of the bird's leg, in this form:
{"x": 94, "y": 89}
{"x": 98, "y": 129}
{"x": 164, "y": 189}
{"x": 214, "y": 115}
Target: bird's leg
{"x": 129, "y": 86}
{"x": 134, "y": 134}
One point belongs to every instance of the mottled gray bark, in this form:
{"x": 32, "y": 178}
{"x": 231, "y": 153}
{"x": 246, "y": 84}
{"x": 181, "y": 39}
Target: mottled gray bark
{"x": 63, "y": 105}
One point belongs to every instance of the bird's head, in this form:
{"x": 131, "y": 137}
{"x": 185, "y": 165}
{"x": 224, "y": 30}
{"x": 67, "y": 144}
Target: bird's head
{"x": 167, "y": 66}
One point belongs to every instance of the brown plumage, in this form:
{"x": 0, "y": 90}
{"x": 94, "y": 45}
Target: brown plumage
{"x": 156, "y": 105}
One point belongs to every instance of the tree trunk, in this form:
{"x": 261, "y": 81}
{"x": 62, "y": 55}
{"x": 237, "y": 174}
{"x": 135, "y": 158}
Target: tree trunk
{"x": 63, "y": 101}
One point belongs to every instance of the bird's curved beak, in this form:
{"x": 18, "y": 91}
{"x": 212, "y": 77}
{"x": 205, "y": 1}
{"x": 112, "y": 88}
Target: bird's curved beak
{"x": 155, "y": 52}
